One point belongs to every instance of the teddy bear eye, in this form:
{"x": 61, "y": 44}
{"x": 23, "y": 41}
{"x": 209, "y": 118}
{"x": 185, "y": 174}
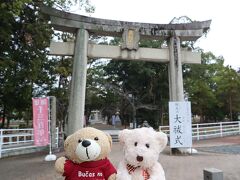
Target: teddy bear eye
{"x": 135, "y": 144}
{"x": 79, "y": 141}
{"x": 96, "y": 139}
{"x": 147, "y": 145}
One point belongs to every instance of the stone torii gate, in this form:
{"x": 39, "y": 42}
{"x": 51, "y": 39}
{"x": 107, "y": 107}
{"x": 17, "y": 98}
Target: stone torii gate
{"x": 131, "y": 33}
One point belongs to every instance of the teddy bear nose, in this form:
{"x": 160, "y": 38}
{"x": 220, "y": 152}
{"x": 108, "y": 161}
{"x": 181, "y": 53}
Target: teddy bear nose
{"x": 86, "y": 143}
{"x": 139, "y": 158}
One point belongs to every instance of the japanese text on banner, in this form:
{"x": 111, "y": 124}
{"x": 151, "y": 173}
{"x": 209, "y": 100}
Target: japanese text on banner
{"x": 180, "y": 124}
{"x": 40, "y": 121}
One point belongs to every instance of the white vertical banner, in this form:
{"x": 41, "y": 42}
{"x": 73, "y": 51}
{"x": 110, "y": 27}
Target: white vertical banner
{"x": 180, "y": 121}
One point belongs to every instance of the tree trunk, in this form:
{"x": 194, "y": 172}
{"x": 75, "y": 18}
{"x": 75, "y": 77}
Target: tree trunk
{"x": 27, "y": 122}
{"x": 201, "y": 117}
{"x": 3, "y": 117}
{"x": 134, "y": 117}
{"x": 157, "y": 118}
{"x": 162, "y": 115}
{"x": 8, "y": 123}
{"x": 230, "y": 107}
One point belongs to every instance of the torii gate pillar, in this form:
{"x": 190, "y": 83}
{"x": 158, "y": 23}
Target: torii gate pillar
{"x": 175, "y": 70}
{"x": 78, "y": 86}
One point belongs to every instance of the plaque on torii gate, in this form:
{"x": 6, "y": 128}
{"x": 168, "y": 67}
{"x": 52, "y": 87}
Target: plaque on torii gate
{"x": 131, "y": 33}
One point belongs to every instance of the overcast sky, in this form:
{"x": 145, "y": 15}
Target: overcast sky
{"x": 222, "y": 39}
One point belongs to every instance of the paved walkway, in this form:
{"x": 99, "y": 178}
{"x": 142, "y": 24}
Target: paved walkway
{"x": 181, "y": 167}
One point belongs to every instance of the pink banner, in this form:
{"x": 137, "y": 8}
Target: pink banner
{"x": 40, "y": 121}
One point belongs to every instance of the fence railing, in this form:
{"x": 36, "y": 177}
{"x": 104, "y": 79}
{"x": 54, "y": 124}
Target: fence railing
{"x": 17, "y": 139}
{"x": 210, "y": 130}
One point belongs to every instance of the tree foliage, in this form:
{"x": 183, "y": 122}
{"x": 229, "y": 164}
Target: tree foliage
{"x": 23, "y": 56}
{"x": 25, "y": 69}
{"x": 227, "y": 91}
{"x": 212, "y": 88}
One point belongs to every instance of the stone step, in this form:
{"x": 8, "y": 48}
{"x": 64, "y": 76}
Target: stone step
{"x": 115, "y": 138}
{"x": 114, "y": 134}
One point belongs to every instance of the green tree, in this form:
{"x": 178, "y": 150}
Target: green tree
{"x": 25, "y": 69}
{"x": 23, "y": 58}
{"x": 197, "y": 82}
{"x": 212, "y": 88}
{"x": 146, "y": 82}
{"x": 228, "y": 85}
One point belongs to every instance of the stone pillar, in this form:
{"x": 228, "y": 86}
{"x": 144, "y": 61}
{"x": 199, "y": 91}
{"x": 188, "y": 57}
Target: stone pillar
{"x": 78, "y": 83}
{"x": 212, "y": 174}
{"x": 175, "y": 70}
{"x": 53, "y": 121}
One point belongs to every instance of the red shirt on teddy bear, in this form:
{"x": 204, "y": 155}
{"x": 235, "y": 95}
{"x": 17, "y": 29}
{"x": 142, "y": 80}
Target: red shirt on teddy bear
{"x": 97, "y": 170}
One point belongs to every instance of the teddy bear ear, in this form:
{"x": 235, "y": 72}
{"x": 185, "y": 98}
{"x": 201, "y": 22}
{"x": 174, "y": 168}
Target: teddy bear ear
{"x": 109, "y": 139}
{"x": 123, "y": 134}
{"x": 162, "y": 139}
{"x": 67, "y": 141}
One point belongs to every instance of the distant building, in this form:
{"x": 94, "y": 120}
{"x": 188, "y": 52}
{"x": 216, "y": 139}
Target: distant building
{"x": 96, "y": 117}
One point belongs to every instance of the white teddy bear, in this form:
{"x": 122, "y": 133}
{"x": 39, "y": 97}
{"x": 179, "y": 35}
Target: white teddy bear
{"x": 141, "y": 148}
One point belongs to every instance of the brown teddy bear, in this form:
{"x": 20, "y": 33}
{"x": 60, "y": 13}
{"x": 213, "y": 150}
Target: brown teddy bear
{"x": 86, "y": 156}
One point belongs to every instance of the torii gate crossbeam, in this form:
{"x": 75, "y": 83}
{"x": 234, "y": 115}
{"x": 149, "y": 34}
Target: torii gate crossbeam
{"x": 131, "y": 33}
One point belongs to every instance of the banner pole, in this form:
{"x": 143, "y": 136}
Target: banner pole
{"x": 50, "y": 156}
{"x": 49, "y": 126}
